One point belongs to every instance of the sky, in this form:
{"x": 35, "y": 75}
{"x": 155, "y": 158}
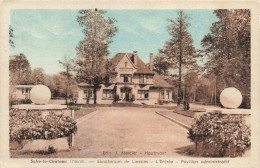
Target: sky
{"x": 46, "y": 36}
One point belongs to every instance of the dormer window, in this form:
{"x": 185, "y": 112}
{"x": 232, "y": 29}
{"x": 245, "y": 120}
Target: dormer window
{"x": 126, "y": 78}
{"x": 133, "y": 58}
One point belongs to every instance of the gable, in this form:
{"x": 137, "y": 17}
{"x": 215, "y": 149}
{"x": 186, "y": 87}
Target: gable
{"x": 126, "y": 63}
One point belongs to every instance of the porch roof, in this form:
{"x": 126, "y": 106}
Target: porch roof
{"x": 24, "y": 86}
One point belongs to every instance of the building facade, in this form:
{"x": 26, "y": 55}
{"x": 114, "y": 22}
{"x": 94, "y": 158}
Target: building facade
{"x": 134, "y": 82}
{"x": 22, "y": 91}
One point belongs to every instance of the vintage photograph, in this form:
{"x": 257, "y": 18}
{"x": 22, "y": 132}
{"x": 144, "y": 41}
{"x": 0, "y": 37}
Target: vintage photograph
{"x": 125, "y": 83}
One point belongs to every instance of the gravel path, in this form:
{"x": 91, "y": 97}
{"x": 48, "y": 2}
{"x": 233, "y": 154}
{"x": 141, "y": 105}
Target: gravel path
{"x": 127, "y": 132}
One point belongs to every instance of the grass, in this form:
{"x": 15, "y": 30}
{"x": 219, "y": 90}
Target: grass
{"x": 82, "y": 112}
{"x": 185, "y": 120}
{"x": 190, "y": 151}
{"x": 122, "y": 105}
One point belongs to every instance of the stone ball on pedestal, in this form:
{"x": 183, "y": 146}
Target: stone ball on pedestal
{"x": 231, "y": 98}
{"x": 40, "y": 94}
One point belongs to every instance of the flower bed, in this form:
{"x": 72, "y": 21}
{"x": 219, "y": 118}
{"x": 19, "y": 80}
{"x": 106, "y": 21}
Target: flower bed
{"x": 216, "y": 135}
{"x": 29, "y": 124}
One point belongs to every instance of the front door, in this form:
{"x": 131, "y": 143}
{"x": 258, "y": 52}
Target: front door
{"x": 125, "y": 93}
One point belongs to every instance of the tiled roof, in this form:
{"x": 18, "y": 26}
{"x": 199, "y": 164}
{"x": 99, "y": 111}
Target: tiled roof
{"x": 142, "y": 68}
{"x": 159, "y": 81}
{"x": 117, "y": 58}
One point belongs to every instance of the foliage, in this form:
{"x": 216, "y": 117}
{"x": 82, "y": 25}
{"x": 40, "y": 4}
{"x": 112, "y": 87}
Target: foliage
{"x": 227, "y": 49}
{"x": 11, "y": 36}
{"x": 190, "y": 85}
{"x": 33, "y": 125}
{"x": 116, "y": 98}
{"x": 179, "y": 50}
{"x": 20, "y": 70}
{"x": 161, "y": 64}
{"x": 220, "y": 136}
{"x": 67, "y": 66}
{"x": 38, "y": 76}
{"x": 92, "y": 64}
{"x": 20, "y": 73}
{"x": 58, "y": 84}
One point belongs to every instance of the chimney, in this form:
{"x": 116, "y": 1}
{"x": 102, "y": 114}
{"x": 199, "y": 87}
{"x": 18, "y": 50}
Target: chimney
{"x": 151, "y": 62}
{"x": 135, "y": 58}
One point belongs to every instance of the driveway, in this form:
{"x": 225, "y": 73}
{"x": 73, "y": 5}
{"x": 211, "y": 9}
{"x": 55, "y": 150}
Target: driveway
{"x": 126, "y": 132}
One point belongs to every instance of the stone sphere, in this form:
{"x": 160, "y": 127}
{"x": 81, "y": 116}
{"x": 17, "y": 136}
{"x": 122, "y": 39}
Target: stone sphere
{"x": 231, "y": 98}
{"x": 40, "y": 94}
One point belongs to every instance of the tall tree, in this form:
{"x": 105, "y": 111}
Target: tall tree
{"x": 227, "y": 48}
{"x": 67, "y": 66}
{"x": 93, "y": 65}
{"x": 20, "y": 73}
{"x": 179, "y": 49}
{"x": 20, "y": 69}
{"x": 38, "y": 76}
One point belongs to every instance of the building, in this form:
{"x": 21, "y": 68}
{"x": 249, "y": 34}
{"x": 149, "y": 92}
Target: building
{"x": 22, "y": 91}
{"x": 134, "y": 82}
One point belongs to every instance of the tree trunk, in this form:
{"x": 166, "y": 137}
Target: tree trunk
{"x": 215, "y": 91}
{"x": 95, "y": 94}
{"x": 180, "y": 63}
{"x": 88, "y": 96}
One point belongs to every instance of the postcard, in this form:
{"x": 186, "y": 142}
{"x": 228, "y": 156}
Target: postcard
{"x": 129, "y": 84}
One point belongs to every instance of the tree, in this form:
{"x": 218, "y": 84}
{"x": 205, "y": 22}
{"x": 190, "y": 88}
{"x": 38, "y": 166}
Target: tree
{"x": 227, "y": 48}
{"x": 20, "y": 69}
{"x": 190, "y": 84}
{"x": 38, "y": 76}
{"x": 161, "y": 64}
{"x": 67, "y": 65}
{"x": 179, "y": 49}
{"x": 92, "y": 64}
{"x": 20, "y": 73}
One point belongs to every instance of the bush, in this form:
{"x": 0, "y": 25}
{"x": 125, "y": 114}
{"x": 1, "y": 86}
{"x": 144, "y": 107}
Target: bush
{"x": 116, "y": 98}
{"x": 19, "y": 101}
{"x": 26, "y": 101}
{"x": 220, "y": 136}
{"x": 32, "y": 125}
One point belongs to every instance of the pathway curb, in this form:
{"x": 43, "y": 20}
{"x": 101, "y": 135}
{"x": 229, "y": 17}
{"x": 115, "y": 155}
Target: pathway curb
{"x": 79, "y": 120}
{"x": 175, "y": 121}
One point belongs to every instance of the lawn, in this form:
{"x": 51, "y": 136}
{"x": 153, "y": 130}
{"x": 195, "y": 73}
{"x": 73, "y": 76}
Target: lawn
{"x": 83, "y": 111}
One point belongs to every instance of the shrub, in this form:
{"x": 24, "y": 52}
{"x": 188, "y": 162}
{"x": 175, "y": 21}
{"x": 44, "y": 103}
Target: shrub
{"x": 32, "y": 125}
{"x": 26, "y": 101}
{"x": 220, "y": 135}
{"x": 116, "y": 98}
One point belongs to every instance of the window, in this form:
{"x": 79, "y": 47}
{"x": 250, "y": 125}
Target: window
{"x": 143, "y": 94}
{"x": 162, "y": 94}
{"x": 142, "y": 79}
{"x": 167, "y": 94}
{"x": 126, "y": 78}
{"x": 108, "y": 93}
{"x": 126, "y": 64}
{"x": 91, "y": 94}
